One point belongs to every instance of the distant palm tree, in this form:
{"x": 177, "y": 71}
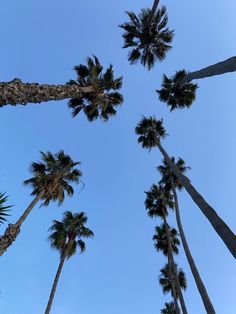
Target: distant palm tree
{"x": 150, "y": 132}
{"x": 178, "y": 92}
{"x": 170, "y": 181}
{"x": 161, "y": 241}
{"x": 93, "y": 91}
{"x": 165, "y": 281}
{"x": 169, "y": 308}
{"x": 148, "y": 36}
{"x": 66, "y": 236}
{"x": 4, "y": 209}
{"x": 51, "y": 180}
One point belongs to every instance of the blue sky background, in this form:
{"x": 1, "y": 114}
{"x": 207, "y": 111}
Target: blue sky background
{"x": 41, "y": 41}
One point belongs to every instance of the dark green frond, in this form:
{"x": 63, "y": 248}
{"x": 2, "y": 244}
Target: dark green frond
{"x": 4, "y": 209}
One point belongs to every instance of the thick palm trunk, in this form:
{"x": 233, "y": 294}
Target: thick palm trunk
{"x": 52, "y": 294}
{"x": 174, "y": 271}
{"x": 223, "y": 67}
{"x": 153, "y": 11}
{"x": 15, "y": 92}
{"x": 226, "y": 234}
{"x": 200, "y": 285}
{"x": 13, "y": 230}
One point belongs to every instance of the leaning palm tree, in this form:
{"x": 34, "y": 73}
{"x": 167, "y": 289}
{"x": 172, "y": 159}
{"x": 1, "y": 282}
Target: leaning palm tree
{"x": 169, "y": 308}
{"x": 171, "y": 183}
{"x": 93, "y": 91}
{"x": 66, "y": 236}
{"x": 148, "y": 36}
{"x": 50, "y": 182}
{"x": 179, "y": 92}
{"x": 4, "y": 209}
{"x": 150, "y": 132}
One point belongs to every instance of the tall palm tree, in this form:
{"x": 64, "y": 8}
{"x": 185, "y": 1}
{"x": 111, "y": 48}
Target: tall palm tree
{"x": 93, "y": 91}
{"x": 51, "y": 180}
{"x": 161, "y": 240}
{"x": 150, "y": 132}
{"x": 66, "y": 236}
{"x": 4, "y": 209}
{"x": 169, "y": 308}
{"x": 148, "y": 36}
{"x": 171, "y": 183}
{"x": 179, "y": 92}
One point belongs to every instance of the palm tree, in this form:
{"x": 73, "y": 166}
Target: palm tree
{"x": 178, "y": 92}
{"x": 171, "y": 183}
{"x": 165, "y": 279}
{"x": 161, "y": 240}
{"x": 93, "y": 91}
{"x": 150, "y": 132}
{"x": 51, "y": 180}
{"x": 4, "y": 209}
{"x": 66, "y": 236}
{"x": 169, "y": 308}
{"x": 148, "y": 36}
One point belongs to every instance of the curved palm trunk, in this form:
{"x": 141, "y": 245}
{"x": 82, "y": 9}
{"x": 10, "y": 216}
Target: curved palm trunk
{"x": 223, "y": 67}
{"x": 153, "y": 11}
{"x": 13, "y": 230}
{"x": 200, "y": 285}
{"x": 174, "y": 271}
{"x": 15, "y": 92}
{"x": 226, "y": 234}
{"x": 52, "y": 294}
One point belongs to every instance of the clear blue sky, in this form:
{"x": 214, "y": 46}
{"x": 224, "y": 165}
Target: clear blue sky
{"x": 41, "y": 41}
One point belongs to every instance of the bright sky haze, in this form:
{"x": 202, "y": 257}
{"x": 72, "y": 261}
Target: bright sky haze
{"x": 41, "y": 41}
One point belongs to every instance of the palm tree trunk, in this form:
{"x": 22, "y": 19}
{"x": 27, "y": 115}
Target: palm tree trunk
{"x": 13, "y": 230}
{"x": 52, "y": 294}
{"x": 15, "y": 92}
{"x": 173, "y": 285}
{"x": 218, "y": 224}
{"x": 153, "y": 11}
{"x": 174, "y": 271}
{"x": 200, "y": 285}
{"x": 226, "y": 66}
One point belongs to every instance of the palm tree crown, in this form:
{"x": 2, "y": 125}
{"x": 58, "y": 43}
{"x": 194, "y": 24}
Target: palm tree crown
{"x": 149, "y": 42}
{"x": 150, "y": 131}
{"x": 165, "y": 279}
{"x": 3, "y": 207}
{"x": 169, "y": 308}
{"x": 175, "y": 93}
{"x": 53, "y": 176}
{"x": 66, "y": 235}
{"x": 102, "y": 100}
{"x": 161, "y": 241}
{"x": 157, "y": 201}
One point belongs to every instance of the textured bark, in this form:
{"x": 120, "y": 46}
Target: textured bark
{"x": 15, "y": 92}
{"x": 219, "y": 68}
{"x": 172, "y": 277}
{"x": 225, "y": 233}
{"x": 179, "y": 291}
{"x": 153, "y": 11}
{"x": 54, "y": 287}
{"x": 200, "y": 285}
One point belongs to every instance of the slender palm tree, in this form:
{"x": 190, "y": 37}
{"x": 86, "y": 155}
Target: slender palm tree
{"x": 4, "y": 209}
{"x": 66, "y": 236}
{"x": 93, "y": 91}
{"x": 51, "y": 180}
{"x": 169, "y": 308}
{"x": 161, "y": 240}
{"x": 165, "y": 279}
{"x": 179, "y": 92}
{"x": 150, "y": 132}
{"x": 171, "y": 184}
{"x": 148, "y": 36}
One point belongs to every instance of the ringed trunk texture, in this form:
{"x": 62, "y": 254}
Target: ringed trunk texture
{"x": 226, "y": 234}
{"x": 54, "y": 287}
{"x": 16, "y": 92}
{"x": 153, "y": 11}
{"x": 174, "y": 271}
{"x": 219, "y": 68}
{"x": 13, "y": 230}
{"x": 200, "y": 285}
{"x": 173, "y": 286}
